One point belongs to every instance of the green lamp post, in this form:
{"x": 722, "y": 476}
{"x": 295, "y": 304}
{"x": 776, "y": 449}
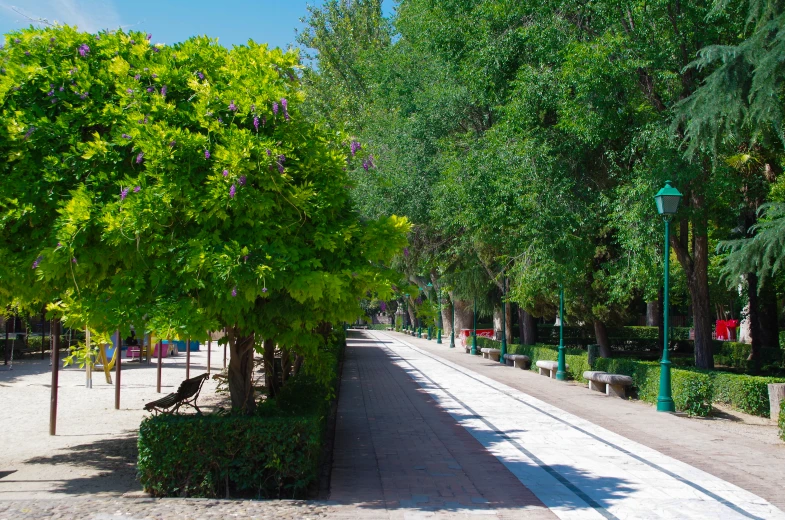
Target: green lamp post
{"x": 504, "y": 326}
{"x": 452, "y": 326}
{"x": 561, "y": 370}
{"x": 474, "y": 329}
{"x": 668, "y": 199}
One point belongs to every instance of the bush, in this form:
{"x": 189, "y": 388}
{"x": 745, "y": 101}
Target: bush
{"x": 782, "y": 420}
{"x": 200, "y": 455}
{"x": 749, "y": 394}
{"x": 733, "y": 354}
{"x": 272, "y": 454}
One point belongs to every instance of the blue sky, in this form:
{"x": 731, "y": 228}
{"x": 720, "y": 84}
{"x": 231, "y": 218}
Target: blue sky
{"x": 170, "y": 21}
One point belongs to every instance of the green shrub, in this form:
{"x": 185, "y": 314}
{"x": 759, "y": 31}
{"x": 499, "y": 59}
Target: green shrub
{"x": 782, "y": 420}
{"x": 200, "y": 455}
{"x": 733, "y": 354}
{"x": 749, "y": 394}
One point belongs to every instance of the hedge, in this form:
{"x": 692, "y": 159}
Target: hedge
{"x": 273, "y": 454}
{"x": 782, "y": 420}
{"x": 733, "y": 354}
{"x": 694, "y": 390}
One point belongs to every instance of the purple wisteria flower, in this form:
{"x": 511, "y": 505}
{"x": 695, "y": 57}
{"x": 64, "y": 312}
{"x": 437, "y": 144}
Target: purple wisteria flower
{"x": 150, "y": 89}
{"x": 405, "y": 251}
{"x": 154, "y": 76}
{"x": 232, "y": 191}
{"x": 84, "y": 50}
{"x": 130, "y": 91}
{"x": 220, "y": 120}
{"x": 256, "y": 123}
{"x": 52, "y": 39}
{"x": 29, "y": 132}
{"x": 419, "y": 300}
{"x": 264, "y": 121}
{"x": 226, "y": 173}
{"x": 59, "y": 244}
{"x": 232, "y": 106}
{"x": 149, "y": 37}
{"x": 137, "y": 77}
{"x": 137, "y": 189}
{"x": 123, "y": 193}
{"x": 133, "y": 42}
{"x": 62, "y": 89}
{"x": 253, "y": 108}
{"x": 156, "y": 49}
{"x": 241, "y": 180}
{"x": 355, "y": 146}
{"x": 201, "y": 76}
{"x": 285, "y": 105}
{"x": 172, "y": 144}
{"x": 37, "y": 262}
{"x": 382, "y": 306}
{"x": 27, "y": 53}
{"x": 264, "y": 289}
{"x": 139, "y": 158}
{"x": 234, "y": 291}
{"x": 83, "y": 95}
{"x": 207, "y": 154}
{"x": 365, "y": 165}
{"x": 163, "y": 91}
{"x": 275, "y": 108}
{"x": 269, "y": 153}
{"x": 50, "y": 93}
{"x": 73, "y": 260}
{"x": 126, "y": 136}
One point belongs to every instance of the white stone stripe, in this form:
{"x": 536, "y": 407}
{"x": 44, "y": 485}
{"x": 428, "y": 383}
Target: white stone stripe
{"x": 626, "y": 478}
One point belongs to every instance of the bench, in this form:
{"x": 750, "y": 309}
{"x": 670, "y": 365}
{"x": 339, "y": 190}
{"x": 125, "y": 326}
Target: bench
{"x": 186, "y": 394}
{"x": 549, "y": 368}
{"x": 610, "y": 384}
{"x": 491, "y": 353}
{"x": 517, "y": 360}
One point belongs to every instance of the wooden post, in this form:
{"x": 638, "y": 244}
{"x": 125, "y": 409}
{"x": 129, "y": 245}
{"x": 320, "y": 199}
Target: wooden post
{"x": 776, "y": 396}
{"x": 117, "y": 367}
{"x": 159, "y": 347}
{"x": 43, "y": 330}
{"x": 188, "y": 358}
{"x": 209, "y": 345}
{"x": 54, "y": 332}
{"x": 5, "y": 346}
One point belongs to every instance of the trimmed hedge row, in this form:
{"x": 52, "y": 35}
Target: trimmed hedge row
{"x": 273, "y": 454}
{"x": 733, "y": 354}
{"x": 694, "y": 390}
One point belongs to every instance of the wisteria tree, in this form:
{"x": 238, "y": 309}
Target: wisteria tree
{"x": 177, "y": 186}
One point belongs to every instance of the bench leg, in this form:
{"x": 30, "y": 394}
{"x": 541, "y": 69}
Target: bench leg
{"x": 553, "y": 374}
{"x": 616, "y": 391}
{"x": 599, "y": 387}
{"x": 544, "y": 371}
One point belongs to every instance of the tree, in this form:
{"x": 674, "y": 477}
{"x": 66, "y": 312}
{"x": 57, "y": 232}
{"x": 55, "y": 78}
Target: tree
{"x": 181, "y": 186}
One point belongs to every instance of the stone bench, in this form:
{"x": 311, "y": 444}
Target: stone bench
{"x": 549, "y": 368}
{"x": 517, "y": 360}
{"x": 491, "y": 353}
{"x": 610, "y": 384}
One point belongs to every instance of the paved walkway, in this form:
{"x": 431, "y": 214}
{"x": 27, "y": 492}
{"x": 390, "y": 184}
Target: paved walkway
{"x": 574, "y": 467}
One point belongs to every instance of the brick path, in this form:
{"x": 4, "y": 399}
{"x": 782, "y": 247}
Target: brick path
{"x": 582, "y": 470}
{"x": 396, "y": 449}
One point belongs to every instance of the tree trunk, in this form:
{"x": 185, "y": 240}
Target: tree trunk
{"x": 270, "y": 379}
{"x": 286, "y": 365}
{"x": 298, "y": 363}
{"x": 528, "y": 326}
{"x": 754, "y": 317}
{"x": 696, "y": 268}
{"x": 652, "y": 314}
{"x": 767, "y": 309}
{"x": 240, "y": 374}
{"x": 601, "y": 333}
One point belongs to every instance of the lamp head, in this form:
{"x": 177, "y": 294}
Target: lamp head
{"x": 668, "y": 199}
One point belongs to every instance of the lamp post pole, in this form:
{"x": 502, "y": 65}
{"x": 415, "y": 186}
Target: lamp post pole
{"x": 474, "y": 329}
{"x": 504, "y": 325}
{"x": 452, "y": 326}
{"x": 665, "y": 398}
{"x": 668, "y": 199}
{"x": 561, "y": 373}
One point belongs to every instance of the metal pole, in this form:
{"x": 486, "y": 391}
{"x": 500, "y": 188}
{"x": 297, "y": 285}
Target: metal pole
{"x": 504, "y": 326}
{"x": 54, "y": 332}
{"x": 561, "y": 373}
{"x": 117, "y": 369}
{"x": 452, "y": 327}
{"x": 474, "y": 329}
{"x": 209, "y": 347}
{"x": 159, "y": 347}
{"x": 665, "y": 399}
{"x": 188, "y": 358}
